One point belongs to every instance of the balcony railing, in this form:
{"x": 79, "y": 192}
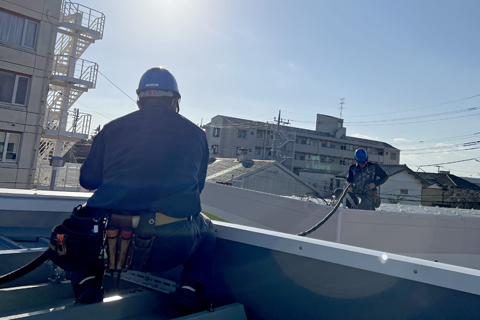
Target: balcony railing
{"x": 79, "y": 71}
{"x": 78, "y": 123}
{"x": 84, "y": 16}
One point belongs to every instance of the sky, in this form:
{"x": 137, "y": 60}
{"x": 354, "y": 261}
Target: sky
{"x": 408, "y": 71}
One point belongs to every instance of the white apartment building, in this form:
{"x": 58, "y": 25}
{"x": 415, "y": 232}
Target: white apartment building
{"x": 327, "y": 149}
{"x": 27, "y": 40}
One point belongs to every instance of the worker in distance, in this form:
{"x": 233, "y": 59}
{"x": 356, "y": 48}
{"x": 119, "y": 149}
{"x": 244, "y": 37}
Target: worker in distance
{"x": 365, "y": 177}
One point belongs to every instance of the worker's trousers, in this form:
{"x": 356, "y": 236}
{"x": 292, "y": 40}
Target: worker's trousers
{"x": 189, "y": 242}
{"x": 366, "y": 201}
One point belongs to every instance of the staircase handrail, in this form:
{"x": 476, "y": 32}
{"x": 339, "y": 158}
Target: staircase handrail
{"x": 91, "y": 19}
{"x": 82, "y": 69}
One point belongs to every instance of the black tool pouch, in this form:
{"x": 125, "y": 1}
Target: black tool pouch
{"x": 76, "y": 244}
{"x": 141, "y": 251}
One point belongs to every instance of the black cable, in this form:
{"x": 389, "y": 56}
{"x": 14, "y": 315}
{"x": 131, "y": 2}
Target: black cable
{"x": 117, "y": 87}
{"x": 318, "y": 225}
{"x": 29, "y": 267}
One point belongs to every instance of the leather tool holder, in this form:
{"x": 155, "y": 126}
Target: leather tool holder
{"x": 143, "y": 240}
{"x": 77, "y": 242}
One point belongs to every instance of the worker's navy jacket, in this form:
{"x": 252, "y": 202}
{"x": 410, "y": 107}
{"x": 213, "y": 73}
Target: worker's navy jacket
{"x": 361, "y": 178}
{"x": 149, "y": 160}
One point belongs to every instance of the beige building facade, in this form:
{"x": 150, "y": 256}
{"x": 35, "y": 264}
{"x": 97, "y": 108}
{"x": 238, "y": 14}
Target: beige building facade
{"x": 27, "y": 39}
{"x": 327, "y": 149}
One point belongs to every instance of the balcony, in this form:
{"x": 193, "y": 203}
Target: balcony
{"x": 78, "y": 125}
{"x": 80, "y": 72}
{"x": 75, "y": 16}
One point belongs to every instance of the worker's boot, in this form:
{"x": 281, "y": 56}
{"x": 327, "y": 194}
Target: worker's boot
{"x": 191, "y": 297}
{"x": 88, "y": 287}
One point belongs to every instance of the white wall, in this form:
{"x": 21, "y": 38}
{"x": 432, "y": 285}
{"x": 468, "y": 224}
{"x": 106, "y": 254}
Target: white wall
{"x": 390, "y": 190}
{"x": 432, "y": 236}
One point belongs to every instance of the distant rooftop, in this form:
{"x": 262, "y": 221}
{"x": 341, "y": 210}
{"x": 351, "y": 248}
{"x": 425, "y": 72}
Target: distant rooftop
{"x": 448, "y": 180}
{"x": 251, "y": 124}
{"x": 226, "y": 169}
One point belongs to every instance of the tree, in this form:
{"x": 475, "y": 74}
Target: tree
{"x": 455, "y": 197}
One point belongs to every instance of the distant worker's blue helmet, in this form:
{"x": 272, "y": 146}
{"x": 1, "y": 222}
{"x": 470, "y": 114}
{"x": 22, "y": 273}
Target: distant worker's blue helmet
{"x": 158, "y": 82}
{"x": 361, "y": 156}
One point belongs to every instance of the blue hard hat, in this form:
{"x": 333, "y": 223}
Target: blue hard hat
{"x": 361, "y": 155}
{"x": 157, "y": 82}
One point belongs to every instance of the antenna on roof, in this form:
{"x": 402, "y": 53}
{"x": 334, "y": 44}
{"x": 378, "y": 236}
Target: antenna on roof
{"x": 341, "y": 106}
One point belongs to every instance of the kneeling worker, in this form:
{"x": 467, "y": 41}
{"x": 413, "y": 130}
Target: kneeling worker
{"x": 365, "y": 177}
{"x": 148, "y": 169}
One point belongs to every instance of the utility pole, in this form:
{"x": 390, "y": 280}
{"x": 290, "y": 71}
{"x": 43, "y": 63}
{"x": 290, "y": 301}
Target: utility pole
{"x": 342, "y": 102}
{"x": 76, "y": 116}
{"x": 279, "y": 121}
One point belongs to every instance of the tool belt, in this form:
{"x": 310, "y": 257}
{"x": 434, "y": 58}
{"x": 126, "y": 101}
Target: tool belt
{"x": 94, "y": 236}
{"x": 76, "y": 243}
{"x": 130, "y": 239}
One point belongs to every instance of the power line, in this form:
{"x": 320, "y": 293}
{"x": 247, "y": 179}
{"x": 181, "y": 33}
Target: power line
{"x": 414, "y": 109}
{"x": 99, "y": 113}
{"x": 117, "y": 87}
{"x": 382, "y": 121}
{"x": 458, "y": 161}
{"x": 437, "y": 140}
{"x": 396, "y": 123}
{"x": 450, "y": 151}
{"x": 466, "y": 144}
{"x": 420, "y": 116}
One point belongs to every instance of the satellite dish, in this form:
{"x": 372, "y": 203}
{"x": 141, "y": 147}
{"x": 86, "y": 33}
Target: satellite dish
{"x": 248, "y": 163}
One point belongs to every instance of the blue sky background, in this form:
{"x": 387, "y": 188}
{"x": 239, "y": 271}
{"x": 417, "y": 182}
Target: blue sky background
{"x": 414, "y": 61}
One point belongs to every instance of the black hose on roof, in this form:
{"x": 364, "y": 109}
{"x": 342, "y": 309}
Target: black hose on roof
{"x": 318, "y": 225}
{"x": 29, "y": 267}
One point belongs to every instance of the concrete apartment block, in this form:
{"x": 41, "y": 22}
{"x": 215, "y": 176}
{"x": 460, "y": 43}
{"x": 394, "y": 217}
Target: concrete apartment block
{"x": 28, "y": 31}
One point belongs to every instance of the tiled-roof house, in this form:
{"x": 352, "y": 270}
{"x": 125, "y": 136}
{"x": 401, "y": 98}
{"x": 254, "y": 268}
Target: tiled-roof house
{"x": 260, "y": 175}
{"x": 451, "y": 191}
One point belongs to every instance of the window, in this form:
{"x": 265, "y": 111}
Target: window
{"x": 17, "y": 30}
{"x": 403, "y": 191}
{"x": 9, "y": 142}
{"x": 13, "y": 88}
{"x": 393, "y": 156}
{"x": 242, "y": 134}
{"x": 216, "y": 132}
{"x": 214, "y": 149}
{"x": 260, "y": 133}
{"x": 380, "y": 152}
{"x": 315, "y": 143}
{"x": 251, "y": 133}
